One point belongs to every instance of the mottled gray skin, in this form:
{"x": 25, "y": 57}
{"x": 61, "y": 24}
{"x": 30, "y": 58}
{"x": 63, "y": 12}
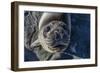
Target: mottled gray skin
{"x": 53, "y": 36}
{"x": 31, "y": 22}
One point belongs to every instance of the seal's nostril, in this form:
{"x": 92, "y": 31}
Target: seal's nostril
{"x": 57, "y": 35}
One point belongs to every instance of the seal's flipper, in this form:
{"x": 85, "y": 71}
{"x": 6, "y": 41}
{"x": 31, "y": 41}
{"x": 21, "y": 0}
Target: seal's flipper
{"x": 35, "y": 43}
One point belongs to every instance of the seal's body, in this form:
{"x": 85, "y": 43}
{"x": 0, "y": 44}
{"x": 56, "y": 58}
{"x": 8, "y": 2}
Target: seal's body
{"x": 53, "y": 36}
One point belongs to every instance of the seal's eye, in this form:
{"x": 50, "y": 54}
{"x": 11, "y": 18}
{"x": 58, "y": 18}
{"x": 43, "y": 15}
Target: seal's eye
{"x": 48, "y": 29}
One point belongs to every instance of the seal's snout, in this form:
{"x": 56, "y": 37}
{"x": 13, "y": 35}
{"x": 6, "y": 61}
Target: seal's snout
{"x": 57, "y": 35}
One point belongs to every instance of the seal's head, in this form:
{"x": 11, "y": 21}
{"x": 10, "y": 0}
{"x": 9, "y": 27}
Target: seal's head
{"x": 54, "y": 36}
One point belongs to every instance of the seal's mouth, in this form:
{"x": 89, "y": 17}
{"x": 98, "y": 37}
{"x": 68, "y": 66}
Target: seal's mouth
{"x": 56, "y": 46}
{"x": 59, "y": 46}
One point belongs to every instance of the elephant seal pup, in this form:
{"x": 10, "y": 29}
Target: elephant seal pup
{"x": 53, "y": 36}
